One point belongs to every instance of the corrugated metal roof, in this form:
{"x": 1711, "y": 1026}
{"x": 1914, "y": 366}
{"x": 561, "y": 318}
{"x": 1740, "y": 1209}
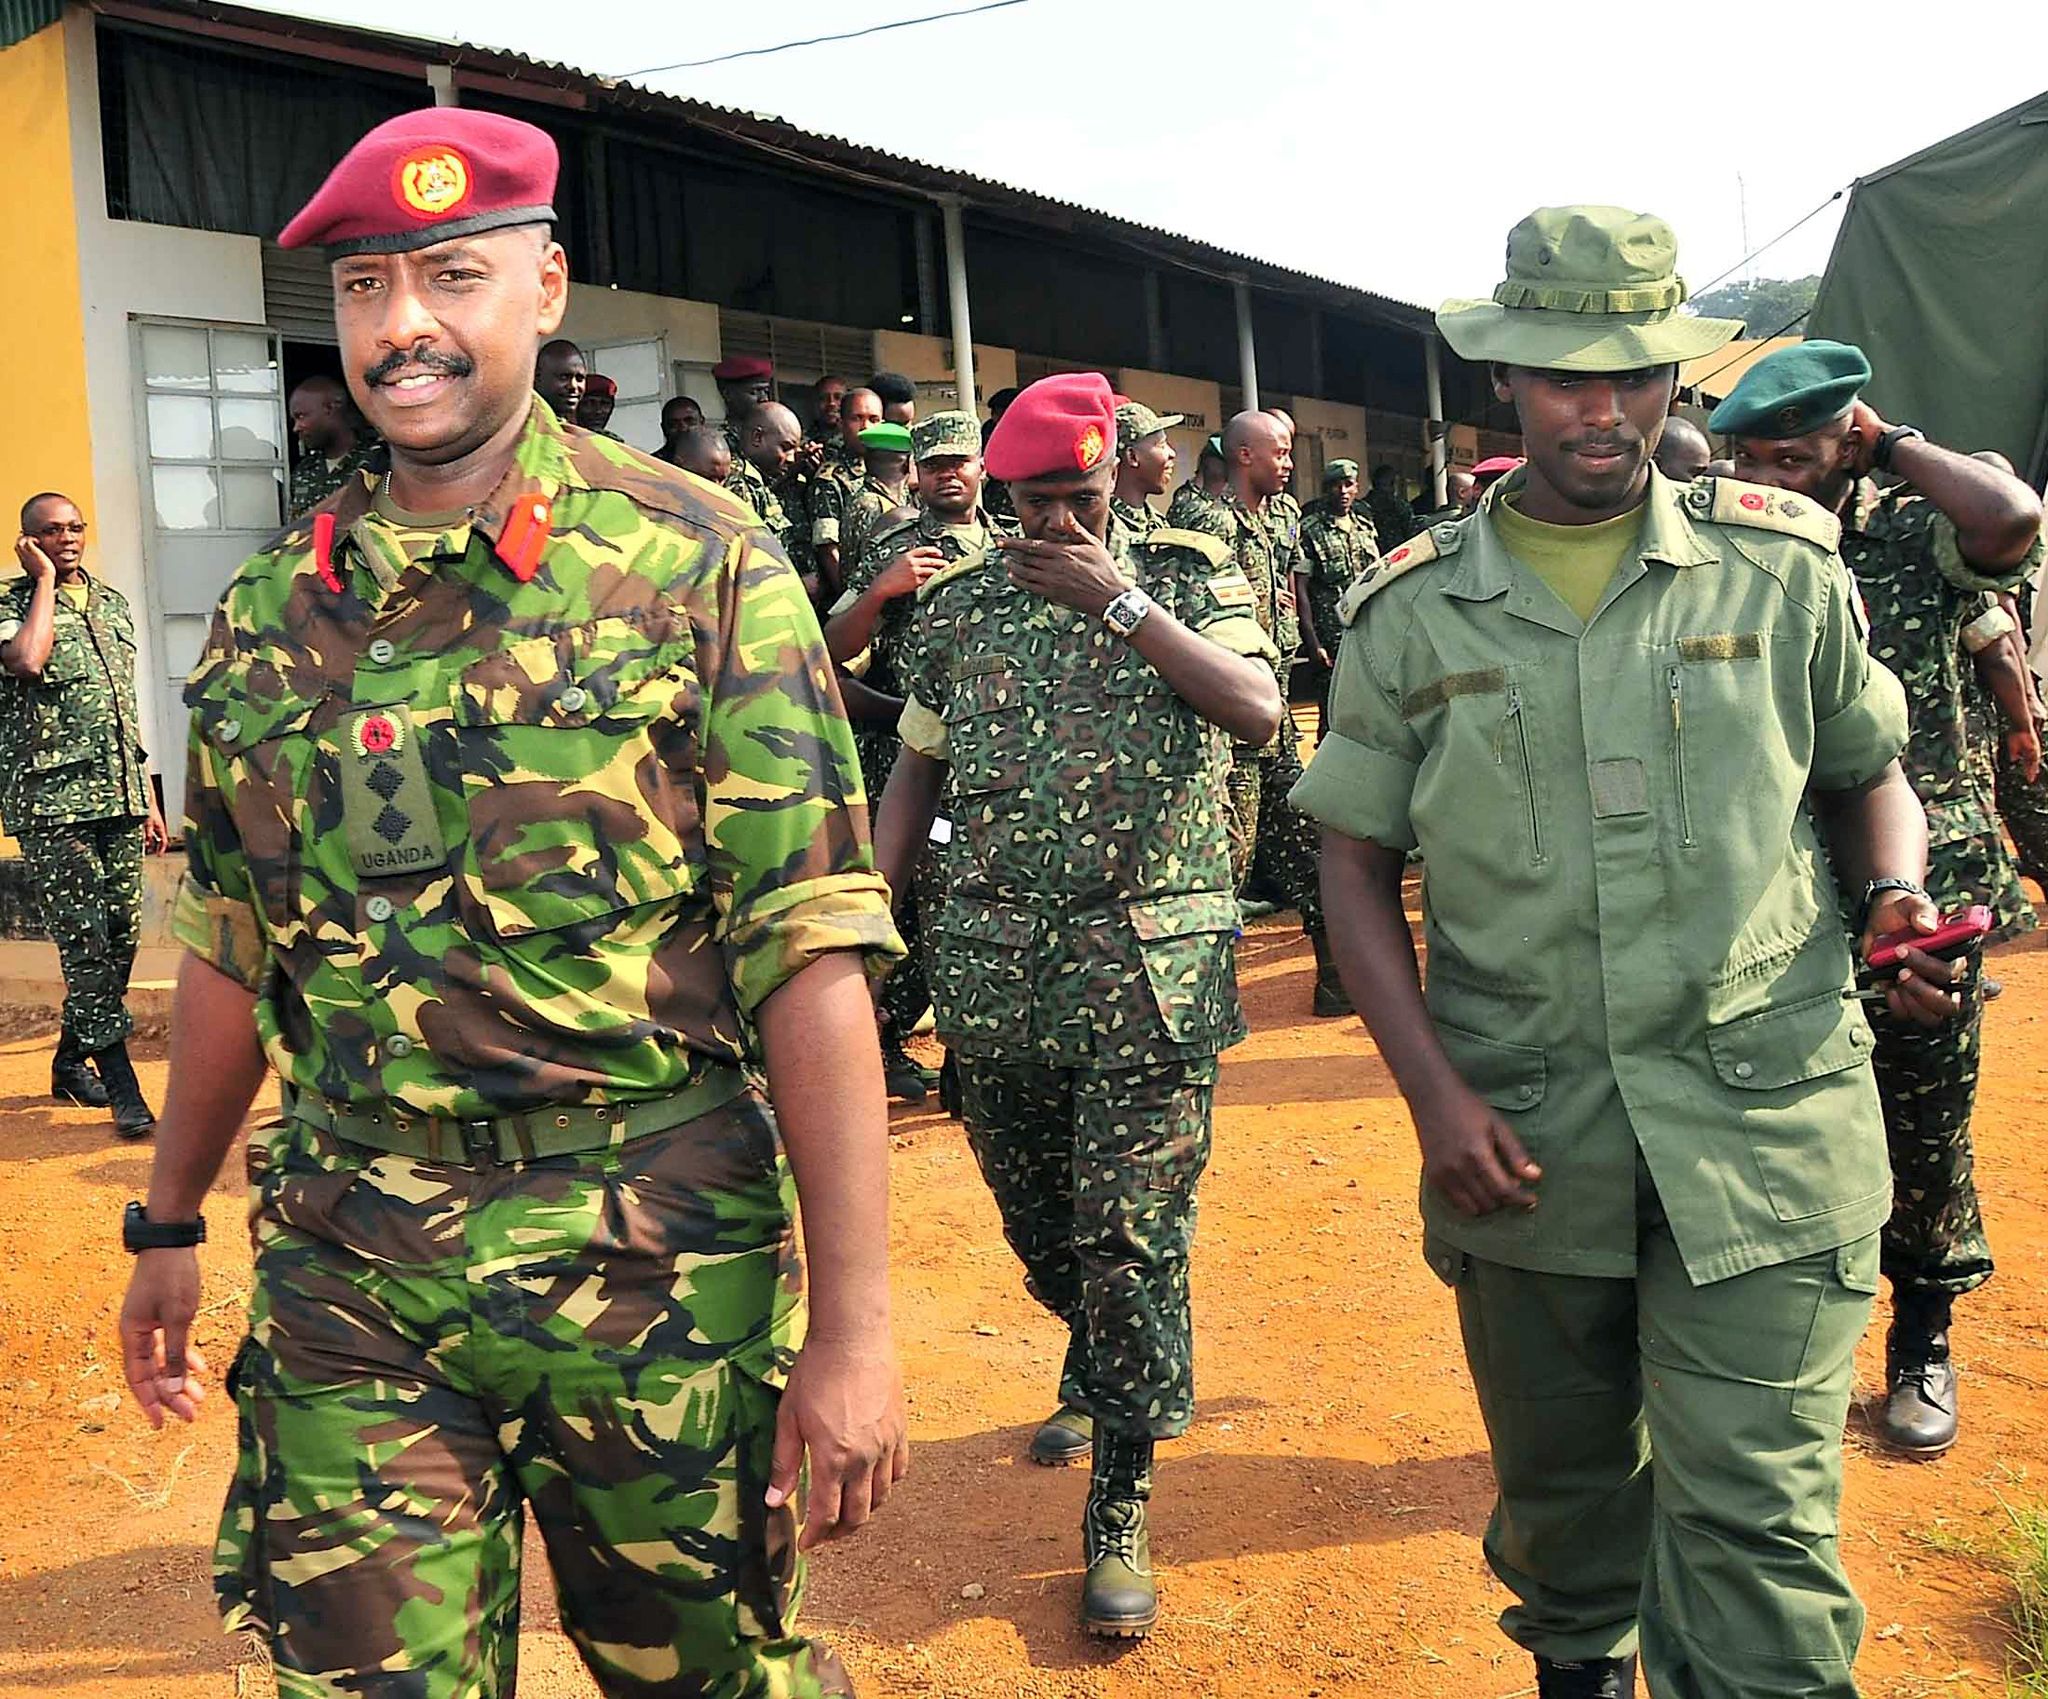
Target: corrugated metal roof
{"x": 767, "y": 134}
{"x": 20, "y": 19}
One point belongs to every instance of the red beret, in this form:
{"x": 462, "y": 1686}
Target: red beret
{"x": 1060, "y": 426}
{"x": 426, "y": 177}
{"x": 742, "y": 368}
{"x": 598, "y": 384}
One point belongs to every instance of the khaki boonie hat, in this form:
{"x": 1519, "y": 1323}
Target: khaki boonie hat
{"x": 1589, "y": 289}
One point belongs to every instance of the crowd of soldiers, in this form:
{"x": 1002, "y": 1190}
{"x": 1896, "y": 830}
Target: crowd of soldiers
{"x": 529, "y": 842}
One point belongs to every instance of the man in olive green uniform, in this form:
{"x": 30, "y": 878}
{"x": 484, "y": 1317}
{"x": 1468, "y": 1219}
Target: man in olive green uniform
{"x": 1272, "y": 843}
{"x": 76, "y": 795}
{"x": 1616, "y": 714}
{"x": 1923, "y": 555}
{"x": 884, "y": 493}
{"x": 875, "y": 617}
{"x": 525, "y": 834}
{"x": 1065, "y": 695}
{"x": 1337, "y": 549}
{"x": 1144, "y": 466}
{"x": 333, "y": 446}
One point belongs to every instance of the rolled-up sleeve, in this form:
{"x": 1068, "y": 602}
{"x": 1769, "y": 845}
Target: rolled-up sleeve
{"x": 1362, "y": 778}
{"x": 1859, "y": 707}
{"x": 785, "y": 816}
{"x": 214, "y": 915}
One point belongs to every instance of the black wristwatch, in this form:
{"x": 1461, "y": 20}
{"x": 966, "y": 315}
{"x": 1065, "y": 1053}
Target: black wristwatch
{"x": 139, "y": 1233}
{"x": 1877, "y": 888}
{"x": 1881, "y": 455}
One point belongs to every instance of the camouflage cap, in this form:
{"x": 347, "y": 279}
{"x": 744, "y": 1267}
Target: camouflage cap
{"x": 938, "y": 434}
{"x": 1135, "y": 422}
{"x": 1589, "y": 289}
{"x": 1336, "y": 471}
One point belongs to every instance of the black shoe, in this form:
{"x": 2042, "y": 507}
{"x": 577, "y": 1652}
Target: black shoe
{"x": 949, "y": 1085}
{"x": 1119, "y": 1598}
{"x": 1591, "y": 1678}
{"x": 133, "y": 1117}
{"x": 1330, "y": 999}
{"x": 903, "y": 1074}
{"x": 1920, "y": 1407}
{"x": 72, "y": 1079}
{"x": 1066, "y": 1436}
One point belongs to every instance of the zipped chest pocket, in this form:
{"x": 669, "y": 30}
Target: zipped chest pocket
{"x": 1715, "y": 691}
{"x": 1675, "y": 680}
{"x": 1512, "y": 751}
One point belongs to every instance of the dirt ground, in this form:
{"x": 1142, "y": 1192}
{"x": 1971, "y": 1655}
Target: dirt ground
{"x": 1317, "y": 1530}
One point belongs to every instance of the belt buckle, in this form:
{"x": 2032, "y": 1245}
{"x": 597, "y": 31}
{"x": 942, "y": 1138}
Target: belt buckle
{"x": 477, "y": 1139}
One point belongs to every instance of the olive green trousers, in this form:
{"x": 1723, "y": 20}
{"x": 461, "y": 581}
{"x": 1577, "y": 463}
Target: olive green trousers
{"x": 1669, "y": 1462}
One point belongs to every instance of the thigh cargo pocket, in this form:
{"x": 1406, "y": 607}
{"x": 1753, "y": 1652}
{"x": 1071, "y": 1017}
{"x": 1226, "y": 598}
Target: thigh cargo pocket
{"x": 576, "y": 756}
{"x": 1184, "y": 941}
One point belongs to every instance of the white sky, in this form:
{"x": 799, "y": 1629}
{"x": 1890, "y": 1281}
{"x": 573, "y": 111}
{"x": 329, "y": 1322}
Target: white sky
{"x": 1388, "y": 146}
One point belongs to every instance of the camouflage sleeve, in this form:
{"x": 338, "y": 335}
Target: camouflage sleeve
{"x": 1219, "y": 602}
{"x": 828, "y": 507}
{"x": 1859, "y": 706}
{"x": 785, "y": 819}
{"x": 1361, "y": 780}
{"x": 1966, "y": 575}
{"x": 214, "y": 915}
{"x": 922, "y": 725}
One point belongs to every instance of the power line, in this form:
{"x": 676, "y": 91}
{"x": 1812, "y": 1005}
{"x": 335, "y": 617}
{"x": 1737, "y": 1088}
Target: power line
{"x": 820, "y": 40}
{"x": 1772, "y": 243}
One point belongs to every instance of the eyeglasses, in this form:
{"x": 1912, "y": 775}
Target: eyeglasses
{"x": 75, "y": 528}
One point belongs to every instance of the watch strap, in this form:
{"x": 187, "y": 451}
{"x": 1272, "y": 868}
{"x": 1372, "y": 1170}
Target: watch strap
{"x": 1881, "y": 455}
{"x": 1877, "y": 888}
{"x": 139, "y": 1233}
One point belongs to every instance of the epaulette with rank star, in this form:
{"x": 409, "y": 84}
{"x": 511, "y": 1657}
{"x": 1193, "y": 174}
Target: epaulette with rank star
{"x": 1420, "y": 549}
{"x": 1729, "y": 501}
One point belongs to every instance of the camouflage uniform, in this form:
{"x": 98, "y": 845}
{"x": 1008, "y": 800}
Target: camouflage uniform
{"x": 2021, "y": 803}
{"x": 1270, "y": 839}
{"x": 315, "y": 478}
{"x": 814, "y": 506}
{"x": 868, "y": 509}
{"x": 1335, "y": 551}
{"x": 746, "y": 482}
{"x": 1189, "y": 502}
{"x": 907, "y": 994}
{"x": 1919, "y": 592}
{"x": 1393, "y": 520}
{"x": 510, "y": 838}
{"x": 1082, "y": 960}
{"x": 75, "y": 792}
{"x": 1140, "y": 521}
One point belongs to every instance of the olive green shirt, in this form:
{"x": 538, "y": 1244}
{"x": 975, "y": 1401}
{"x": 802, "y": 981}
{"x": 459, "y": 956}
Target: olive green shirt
{"x": 1634, "y": 941}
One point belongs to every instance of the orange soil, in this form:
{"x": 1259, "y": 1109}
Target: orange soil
{"x": 1317, "y": 1530}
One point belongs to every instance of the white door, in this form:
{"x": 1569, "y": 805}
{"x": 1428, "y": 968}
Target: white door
{"x": 214, "y": 451}
{"x": 637, "y": 368}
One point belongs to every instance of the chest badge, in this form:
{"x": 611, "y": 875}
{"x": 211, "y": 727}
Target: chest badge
{"x": 388, "y": 812}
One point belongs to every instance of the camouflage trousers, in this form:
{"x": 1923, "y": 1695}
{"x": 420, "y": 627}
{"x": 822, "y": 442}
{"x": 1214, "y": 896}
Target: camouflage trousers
{"x": 907, "y": 992}
{"x": 87, "y": 881}
{"x": 1980, "y": 870}
{"x": 2023, "y": 806}
{"x": 1927, "y": 1082}
{"x": 1271, "y": 841}
{"x": 1094, "y": 1173}
{"x": 434, "y": 1349}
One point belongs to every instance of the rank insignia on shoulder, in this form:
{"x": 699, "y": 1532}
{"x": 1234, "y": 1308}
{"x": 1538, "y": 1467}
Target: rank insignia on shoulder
{"x": 1419, "y": 550}
{"x": 1732, "y": 502}
{"x": 1233, "y": 590}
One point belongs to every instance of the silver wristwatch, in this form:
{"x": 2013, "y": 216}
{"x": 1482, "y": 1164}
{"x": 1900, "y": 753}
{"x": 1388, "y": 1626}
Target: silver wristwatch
{"x": 1127, "y": 612}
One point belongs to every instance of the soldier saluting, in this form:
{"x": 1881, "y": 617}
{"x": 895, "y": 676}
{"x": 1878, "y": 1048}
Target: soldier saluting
{"x": 525, "y": 827}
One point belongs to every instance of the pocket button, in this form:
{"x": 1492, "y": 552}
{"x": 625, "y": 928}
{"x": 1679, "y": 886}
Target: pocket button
{"x": 573, "y": 700}
{"x": 381, "y": 651}
{"x": 398, "y": 1047}
{"x": 378, "y": 908}
{"x": 1744, "y": 1070}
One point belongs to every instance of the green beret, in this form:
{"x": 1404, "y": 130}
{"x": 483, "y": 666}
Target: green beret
{"x": 1336, "y": 471}
{"x": 952, "y": 433}
{"x": 894, "y": 438}
{"x": 1793, "y": 391}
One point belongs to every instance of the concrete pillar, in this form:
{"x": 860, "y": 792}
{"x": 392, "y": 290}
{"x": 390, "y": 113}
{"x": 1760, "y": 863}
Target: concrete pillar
{"x": 1247, "y": 355}
{"x": 441, "y": 79}
{"x": 956, "y": 286}
{"x": 1433, "y": 386}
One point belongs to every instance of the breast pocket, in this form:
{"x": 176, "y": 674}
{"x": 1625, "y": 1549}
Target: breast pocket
{"x": 1711, "y": 685}
{"x": 1151, "y": 731}
{"x": 578, "y": 757}
{"x": 988, "y": 736}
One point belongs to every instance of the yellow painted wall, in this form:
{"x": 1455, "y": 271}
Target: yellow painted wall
{"x": 45, "y": 439}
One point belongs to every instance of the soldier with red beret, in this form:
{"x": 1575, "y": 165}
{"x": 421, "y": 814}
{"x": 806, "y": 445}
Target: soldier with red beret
{"x": 526, "y": 836}
{"x": 744, "y": 383}
{"x": 1069, "y": 693}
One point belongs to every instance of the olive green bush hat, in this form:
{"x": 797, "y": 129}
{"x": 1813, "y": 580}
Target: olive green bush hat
{"x": 1589, "y": 289}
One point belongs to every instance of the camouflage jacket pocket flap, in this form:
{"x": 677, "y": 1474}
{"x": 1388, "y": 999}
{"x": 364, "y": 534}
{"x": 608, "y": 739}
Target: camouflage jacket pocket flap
{"x": 1184, "y": 915}
{"x": 607, "y": 671}
{"x": 989, "y": 923}
{"x": 242, "y": 703}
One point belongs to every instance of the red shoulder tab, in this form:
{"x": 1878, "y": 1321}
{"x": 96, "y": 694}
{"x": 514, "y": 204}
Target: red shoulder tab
{"x": 528, "y": 527}
{"x": 323, "y": 551}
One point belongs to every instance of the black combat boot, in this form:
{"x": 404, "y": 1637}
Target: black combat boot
{"x": 71, "y": 1080}
{"x": 1066, "y": 1436}
{"x": 133, "y": 1118}
{"x": 1592, "y": 1678}
{"x": 1331, "y": 998}
{"x": 1920, "y": 1411}
{"x": 907, "y": 1079}
{"x": 1118, "y": 1597}
{"x": 949, "y": 1085}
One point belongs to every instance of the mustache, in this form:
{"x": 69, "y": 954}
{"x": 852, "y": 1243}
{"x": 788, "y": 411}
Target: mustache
{"x": 426, "y": 360}
{"x": 1619, "y": 442}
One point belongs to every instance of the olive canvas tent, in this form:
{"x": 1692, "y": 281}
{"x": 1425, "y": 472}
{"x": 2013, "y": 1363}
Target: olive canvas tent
{"x": 1940, "y": 275}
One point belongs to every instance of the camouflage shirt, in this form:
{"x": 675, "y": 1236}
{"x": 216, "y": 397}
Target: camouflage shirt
{"x": 315, "y": 478}
{"x": 1141, "y": 521}
{"x": 1919, "y": 592}
{"x": 746, "y": 482}
{"x": 1393, "y": 520}
{"x": 1089, "y": 919}
{"x": 891, "y": 644}
{"x": 71, "y": 741}
{"x": 1188, "y": 502}
{"x": 1264, "y": 553}
{"x": 539, "y": 807}
{"x": 813, "y": 507}
{"x": 869, "y": 508}
{"x": 1334, "y": 552}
